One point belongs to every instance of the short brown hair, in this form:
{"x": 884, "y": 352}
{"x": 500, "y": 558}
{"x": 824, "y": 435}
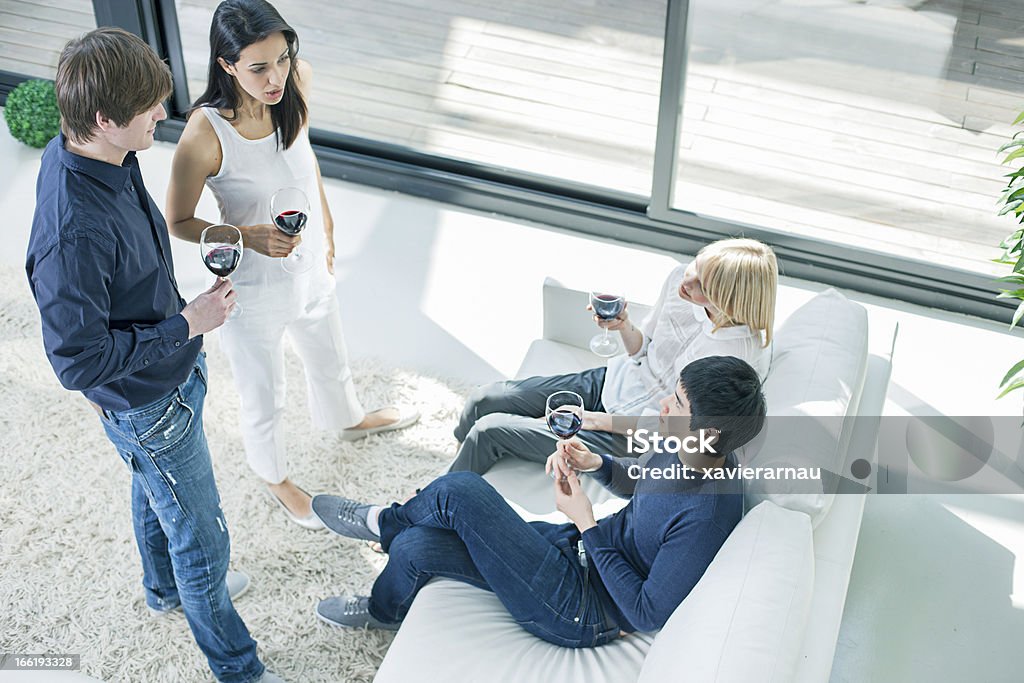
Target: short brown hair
{"x": 110, "y": 71}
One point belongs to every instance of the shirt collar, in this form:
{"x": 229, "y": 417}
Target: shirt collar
{"x": 708, "y": 327}
{"x": 116, "y": 178}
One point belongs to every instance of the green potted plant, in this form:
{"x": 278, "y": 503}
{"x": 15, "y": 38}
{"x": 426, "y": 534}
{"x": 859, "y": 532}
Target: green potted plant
{"x": 32, "y": 114}
{"x": 1012, "y": 202}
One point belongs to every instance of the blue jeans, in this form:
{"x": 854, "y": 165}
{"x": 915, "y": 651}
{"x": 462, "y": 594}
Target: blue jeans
{"x": 179, "y": 526}
{"x": 460, "y": 528}
{"x": 499, "y": 420}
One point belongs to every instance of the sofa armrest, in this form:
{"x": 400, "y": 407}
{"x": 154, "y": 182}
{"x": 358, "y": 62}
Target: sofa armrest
{"x": 745, "y": 618}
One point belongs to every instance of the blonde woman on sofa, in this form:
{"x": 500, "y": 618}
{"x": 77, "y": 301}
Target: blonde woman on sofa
{"x": 585, "y": 582}
{"x": 722, "y": 303}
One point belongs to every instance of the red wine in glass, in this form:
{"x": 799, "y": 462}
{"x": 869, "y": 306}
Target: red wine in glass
{"x": 221, "y": 249}
{"x": 289, "y": 209}
{"x": 564, "y": 414}
{"x": 564, "y": 422}
{"x": 222, "y": 260}
{"x": 290, "y": 222}
{"x": 606, "y": 307}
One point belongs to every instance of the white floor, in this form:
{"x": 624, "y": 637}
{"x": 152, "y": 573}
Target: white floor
{"x": 934, "y": 594}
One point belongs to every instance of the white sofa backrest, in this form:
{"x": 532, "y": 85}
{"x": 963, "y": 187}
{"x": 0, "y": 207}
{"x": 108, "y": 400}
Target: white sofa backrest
{"x": 818, "y": 367}
{"x": 815, "y": 381}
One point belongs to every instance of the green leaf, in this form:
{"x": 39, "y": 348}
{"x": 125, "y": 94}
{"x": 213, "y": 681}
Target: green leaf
{"x": 1017, "y": 384}
{"x": 1012, "y": 279}
{"x": 1011, "y": 206}
{"x": 1010, "y": 294}
{"x": 1017, "y": 315}
{"x": 1019, "y": 119}
{"x": 1016, "y": 174}
{"x": 1015, "y": 155}
{"x": 1011, "y": 144}
{"x": 1012, "y": 372}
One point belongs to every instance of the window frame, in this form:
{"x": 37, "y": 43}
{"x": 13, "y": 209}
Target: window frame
{"x": 650, "y": 222}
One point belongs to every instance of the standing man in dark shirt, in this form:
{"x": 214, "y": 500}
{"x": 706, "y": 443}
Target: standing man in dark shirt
{"x": 116, "y": 329}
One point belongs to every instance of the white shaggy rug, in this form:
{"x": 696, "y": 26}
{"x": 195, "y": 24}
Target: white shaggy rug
{"x": 70, "y": 577}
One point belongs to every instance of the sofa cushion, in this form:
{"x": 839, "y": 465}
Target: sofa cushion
{"x": 456, "y": 632}
{"x": 745, "y": 618}
{"x": 546, "y": 357}
{"x": 817, "y": 374}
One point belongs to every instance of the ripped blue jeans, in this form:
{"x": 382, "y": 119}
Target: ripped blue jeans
{"x": 179, "y": 526}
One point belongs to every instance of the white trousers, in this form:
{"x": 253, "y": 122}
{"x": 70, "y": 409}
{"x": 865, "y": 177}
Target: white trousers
{"x": 254, "y": 344}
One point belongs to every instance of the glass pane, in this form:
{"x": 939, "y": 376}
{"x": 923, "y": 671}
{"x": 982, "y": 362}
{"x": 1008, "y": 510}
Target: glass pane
{"x": 32, "y": 34}
{"x": 870, "y": 123}
{"x": 566, "y": 90}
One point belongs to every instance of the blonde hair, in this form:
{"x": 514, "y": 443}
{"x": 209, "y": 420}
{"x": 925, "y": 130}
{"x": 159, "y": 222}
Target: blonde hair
{"x": 740, "y": 277}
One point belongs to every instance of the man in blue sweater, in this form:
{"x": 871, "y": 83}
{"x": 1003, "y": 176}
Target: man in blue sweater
{"x": 584, "y": 583}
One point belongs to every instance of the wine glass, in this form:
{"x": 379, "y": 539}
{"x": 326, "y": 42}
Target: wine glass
{"x": 289, "y": 211}
{"x": 564, "y": 414}
{"x": 221, "y": 248}
{"x": 606, "y": 307}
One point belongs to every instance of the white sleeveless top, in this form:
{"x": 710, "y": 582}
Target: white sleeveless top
{"x": 251, "y": 171}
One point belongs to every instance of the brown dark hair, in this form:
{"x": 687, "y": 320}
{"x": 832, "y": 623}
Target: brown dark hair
{"x": 110, "y": 71}
{"x": 236, "y": 25}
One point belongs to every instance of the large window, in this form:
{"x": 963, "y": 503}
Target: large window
{"x": 563, "y": 90}
{"x": 870, "y": 124}
{"x": 32, "y": 33}
{"x": 858, "y": 137}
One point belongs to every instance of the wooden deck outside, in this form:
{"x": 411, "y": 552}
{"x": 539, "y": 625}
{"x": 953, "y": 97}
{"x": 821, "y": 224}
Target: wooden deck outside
{"x": 874, "y": 123}
{"x": 32, "y": 33}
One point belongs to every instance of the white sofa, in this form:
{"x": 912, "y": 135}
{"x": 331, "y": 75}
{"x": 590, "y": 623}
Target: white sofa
{"x": 770, "y": 605}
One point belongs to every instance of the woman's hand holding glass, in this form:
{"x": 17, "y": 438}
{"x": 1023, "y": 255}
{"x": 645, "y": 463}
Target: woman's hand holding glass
{"x": 619, "y": 322}
{"x": 266, "y": 239}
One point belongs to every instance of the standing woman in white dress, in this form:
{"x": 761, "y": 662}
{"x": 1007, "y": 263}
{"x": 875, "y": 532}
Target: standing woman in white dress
{"x": 247, "y": 137}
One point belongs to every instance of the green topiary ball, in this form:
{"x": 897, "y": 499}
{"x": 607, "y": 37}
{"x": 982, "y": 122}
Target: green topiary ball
{"x": 32, "y": 114}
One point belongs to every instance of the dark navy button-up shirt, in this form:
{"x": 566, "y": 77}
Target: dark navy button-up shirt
{"x": 99, "y": 265}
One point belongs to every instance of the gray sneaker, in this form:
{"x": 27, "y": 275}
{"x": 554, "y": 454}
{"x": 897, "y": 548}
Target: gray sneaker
{"x": 351, "y": 611}
{"x": 344, "y": 517}
{"x": 270, "y": 678}
{"x": 238, "y": 583}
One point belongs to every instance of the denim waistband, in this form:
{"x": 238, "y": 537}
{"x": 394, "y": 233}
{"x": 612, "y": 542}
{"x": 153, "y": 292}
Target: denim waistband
{"x": 152, "y": 406}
